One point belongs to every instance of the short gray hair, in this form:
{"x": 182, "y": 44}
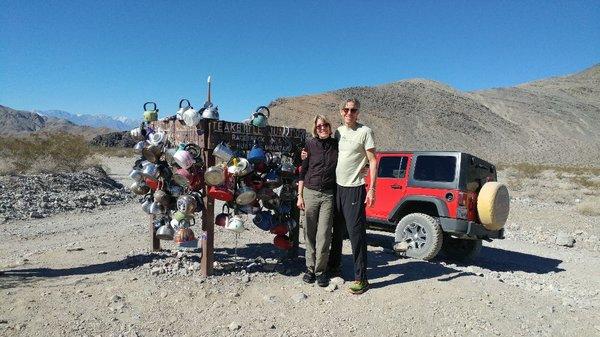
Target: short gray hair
{"x": 353, "y": 100}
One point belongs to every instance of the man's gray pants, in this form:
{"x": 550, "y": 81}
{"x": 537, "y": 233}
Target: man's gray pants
{"x": 318, "y": 226}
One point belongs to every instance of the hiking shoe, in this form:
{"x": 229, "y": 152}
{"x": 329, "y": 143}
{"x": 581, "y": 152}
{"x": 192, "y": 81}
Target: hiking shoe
{"x": 323, "y": 280}
{"x": 359, "y": 287}
{"x": 309, "y": 277}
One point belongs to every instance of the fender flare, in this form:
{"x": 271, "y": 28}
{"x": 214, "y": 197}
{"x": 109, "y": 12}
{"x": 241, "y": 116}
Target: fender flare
{"x": 439, "y": 204}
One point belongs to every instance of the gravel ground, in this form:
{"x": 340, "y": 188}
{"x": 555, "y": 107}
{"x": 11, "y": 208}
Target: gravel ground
{"x": 91, "y": 274}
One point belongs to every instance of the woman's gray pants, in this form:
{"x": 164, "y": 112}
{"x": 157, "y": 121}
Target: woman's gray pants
{"x": 318, "y": 224}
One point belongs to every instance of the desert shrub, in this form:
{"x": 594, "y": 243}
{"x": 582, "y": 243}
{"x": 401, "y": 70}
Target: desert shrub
{"x": 590, "y": 207}
{"x": 58, "y": 152}
{"x": 587, "y": 182}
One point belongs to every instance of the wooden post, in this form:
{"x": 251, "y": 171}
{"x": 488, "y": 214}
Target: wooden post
{"x": 155, "y": 240}
{"x": 208, "y": 225}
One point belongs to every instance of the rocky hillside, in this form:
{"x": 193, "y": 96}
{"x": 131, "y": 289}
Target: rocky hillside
{"x": 19, "y": 122}
{"x": 553, "y": 121}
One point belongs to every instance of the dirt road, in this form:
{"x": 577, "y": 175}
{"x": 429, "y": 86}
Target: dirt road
{"x": 91, "y": 274}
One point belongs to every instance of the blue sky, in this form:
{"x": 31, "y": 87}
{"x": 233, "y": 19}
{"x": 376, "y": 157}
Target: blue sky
{"x": 112, "y": 56}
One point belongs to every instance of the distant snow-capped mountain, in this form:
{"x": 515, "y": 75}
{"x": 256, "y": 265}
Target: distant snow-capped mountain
{"x": 120, "y": 123}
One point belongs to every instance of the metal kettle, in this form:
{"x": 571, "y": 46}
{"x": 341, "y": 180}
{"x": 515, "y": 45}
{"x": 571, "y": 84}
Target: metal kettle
{"x": 259, "y": 118}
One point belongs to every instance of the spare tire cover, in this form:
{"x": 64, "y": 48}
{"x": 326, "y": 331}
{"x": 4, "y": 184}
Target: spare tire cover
{"x": 493, "y": 205}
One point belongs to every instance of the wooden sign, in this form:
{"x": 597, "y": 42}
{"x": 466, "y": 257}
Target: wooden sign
{"x": 242, "y": 136}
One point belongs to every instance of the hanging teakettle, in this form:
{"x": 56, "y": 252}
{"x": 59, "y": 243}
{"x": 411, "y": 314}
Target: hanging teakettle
{"x": 244, "y": 195}
{"x": 191, "y": 117}
{"x": 223, "y": 152}
{"x": 235, "y": 224}
{"x": 210, "y": 111}
{"x": 282, "y": 242}
{"x": 263, "y": 220}
{"x": 222, "y": 218}
{"x": 165, "y": 232}
{"x": 257, "y": 154}
{"x": 150, "y": 114}
{"x": 139, "y": 146}
{"x": 184, "y": 159}
{"x": 259, "y": 118}
{"x": 182, "y": 108}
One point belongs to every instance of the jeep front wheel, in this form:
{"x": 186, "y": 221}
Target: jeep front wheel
{"x": 422, "y": 234}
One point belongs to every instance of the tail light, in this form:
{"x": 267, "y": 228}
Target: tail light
{"x": 462, "y": 198}
{"x": 469, "y": 201}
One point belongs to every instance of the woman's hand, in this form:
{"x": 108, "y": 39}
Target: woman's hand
{"x": 300, "y": 202}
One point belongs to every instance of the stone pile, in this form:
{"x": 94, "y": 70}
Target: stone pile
{"x": 41, "y": 195}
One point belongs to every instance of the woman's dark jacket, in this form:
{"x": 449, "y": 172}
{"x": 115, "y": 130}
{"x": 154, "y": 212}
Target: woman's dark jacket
{"x": 318, "y": 170}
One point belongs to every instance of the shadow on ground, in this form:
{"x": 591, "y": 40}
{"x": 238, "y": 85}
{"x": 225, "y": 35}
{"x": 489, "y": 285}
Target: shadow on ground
{"x": 383, "y": 263}
{"x": 12, "y": 277}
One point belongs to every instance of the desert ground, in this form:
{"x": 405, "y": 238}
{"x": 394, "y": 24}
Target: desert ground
{"x": 92, "y": 273}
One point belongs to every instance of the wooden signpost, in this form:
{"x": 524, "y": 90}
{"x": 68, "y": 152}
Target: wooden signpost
{"x": 208, "y": 134}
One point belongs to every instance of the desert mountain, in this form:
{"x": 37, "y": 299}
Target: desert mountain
{"x": 97, "y": 121}
{"x": 553, "y": 121}
{"x": 19, "y": 122}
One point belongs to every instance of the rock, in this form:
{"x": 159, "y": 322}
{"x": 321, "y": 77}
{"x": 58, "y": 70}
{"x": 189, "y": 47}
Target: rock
{"x": 35, "y": 215}
{"x": 234, "y": 326}
{"x": 331, "y": 287}
{"x": 156, "y": 271}
{"x": 115, "y": 298}
{"x": 565, "y": 240}
{"x": 269, "y": 298}
{"x": 246, "y": 278}
{"x": 3, "y": 321}
{"x": 299, "y": 297}
{"x": 75, "y": 249}
{"x": 102, "y": 252}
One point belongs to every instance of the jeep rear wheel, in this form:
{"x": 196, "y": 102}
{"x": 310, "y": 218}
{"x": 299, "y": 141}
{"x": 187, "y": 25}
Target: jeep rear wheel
{"x": 460, "y": 249}
{"x": 422, "y": 233}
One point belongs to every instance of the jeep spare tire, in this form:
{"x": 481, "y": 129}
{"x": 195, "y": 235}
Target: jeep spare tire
{"x": 493, "y": 205}
{"x": 422, "y": 234}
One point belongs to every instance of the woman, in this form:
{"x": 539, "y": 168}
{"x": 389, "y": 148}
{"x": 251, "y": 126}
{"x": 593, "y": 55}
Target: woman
{"x": 316, "y": 189}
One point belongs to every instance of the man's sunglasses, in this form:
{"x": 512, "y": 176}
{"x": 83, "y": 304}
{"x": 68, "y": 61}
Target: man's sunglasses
{"x": 346, "y": 110}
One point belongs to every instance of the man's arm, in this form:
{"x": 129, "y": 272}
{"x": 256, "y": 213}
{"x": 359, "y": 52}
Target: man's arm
{"x": 370, "y": 200}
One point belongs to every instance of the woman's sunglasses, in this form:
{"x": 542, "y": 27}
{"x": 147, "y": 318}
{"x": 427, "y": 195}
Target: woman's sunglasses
{"x": 322, "y": 126}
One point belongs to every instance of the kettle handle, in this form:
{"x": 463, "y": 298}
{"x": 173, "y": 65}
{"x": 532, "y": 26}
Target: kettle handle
{"x": 223, "y": 209}
{"x": 189, "y": 105}
{"x": 264, "y": 107}
{"x": 154, "y": 104}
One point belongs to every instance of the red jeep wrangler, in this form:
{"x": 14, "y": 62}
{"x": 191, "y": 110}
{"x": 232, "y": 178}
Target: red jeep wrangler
{"x": 437, "y": 200}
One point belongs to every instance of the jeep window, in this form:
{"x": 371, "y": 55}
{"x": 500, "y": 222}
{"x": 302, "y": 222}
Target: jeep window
{"x": 435, "y": 168}
{"x": 392, "y": 167}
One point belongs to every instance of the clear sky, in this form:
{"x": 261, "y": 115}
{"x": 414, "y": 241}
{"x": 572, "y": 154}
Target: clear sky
{"x": 112, "y": 56}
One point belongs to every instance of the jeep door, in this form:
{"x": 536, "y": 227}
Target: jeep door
{"x": 391, "y": 184}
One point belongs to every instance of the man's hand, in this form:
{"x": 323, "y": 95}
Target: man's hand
{"x": 370, "y": 199}
{"x": 303, "y": 154}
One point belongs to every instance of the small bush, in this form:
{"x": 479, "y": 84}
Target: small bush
{"x": 590, "y": 207}
{"x": 58, "y": 152}
{"x": 588, "y": 182}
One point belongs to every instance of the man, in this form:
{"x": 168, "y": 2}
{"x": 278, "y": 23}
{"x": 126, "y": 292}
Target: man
{"x": 356, "y": 149}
